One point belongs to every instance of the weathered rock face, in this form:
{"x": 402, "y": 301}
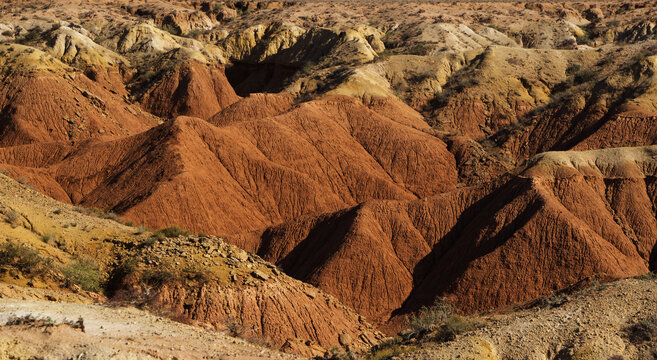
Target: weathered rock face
{"x": 497, "y": 89}
{"x": 253, "y": 172}
{"x": 605, "y": 112}
{"x": 566, "y": 217}
{"x": 241, "y": 293}
{"x": 72, "y": 47}
{"x": 642, "y": 31}
{"x": 290, "y": 45}
{"x": 178, "y": 20}
{"x": 191, "y": 89}
{"x": 280, "y": 310}
{"x": 256, "y": 106}
{"x": 146, "y": 38}
{"x": 43, "y": 101}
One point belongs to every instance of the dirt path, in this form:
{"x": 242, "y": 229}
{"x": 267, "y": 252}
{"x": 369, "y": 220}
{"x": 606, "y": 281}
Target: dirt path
{"x": 114, "y": 333}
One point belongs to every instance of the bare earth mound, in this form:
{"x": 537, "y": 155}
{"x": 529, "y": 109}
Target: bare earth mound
{"x": 568, "y": 216}
{"x": 246, "y": 174}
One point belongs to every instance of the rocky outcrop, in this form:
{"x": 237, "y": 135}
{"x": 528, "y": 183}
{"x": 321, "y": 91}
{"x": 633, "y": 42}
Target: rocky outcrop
{"x": 497, "y": 89}
{"x": 176, "y": 19}
{"x": 72, "y": 47}
{"x": 290, "y": 45}
{"x": 239, "y": 292}
{"x": 639, "y": 32}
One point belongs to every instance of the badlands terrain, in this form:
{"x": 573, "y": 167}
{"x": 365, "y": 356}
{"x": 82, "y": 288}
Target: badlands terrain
{"x": 333, "y": 179}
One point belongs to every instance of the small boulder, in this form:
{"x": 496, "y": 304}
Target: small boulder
{"x": 259, "y": 275}
{"x": 344, "y": 339}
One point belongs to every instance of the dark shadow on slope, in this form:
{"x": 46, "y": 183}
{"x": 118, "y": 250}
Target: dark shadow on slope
{"x": 438, "y": 271}
{"x": 325, "y": 238}
{"x": 261, "y": 78}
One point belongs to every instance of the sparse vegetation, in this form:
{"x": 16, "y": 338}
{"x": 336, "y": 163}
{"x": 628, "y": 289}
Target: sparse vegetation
{"x": 31, "y": 36}
{"x": 454, "y": 325}
{"x": 141, "y": 230}
{"x": 643, "y": 330}
{"x": 48, "y": 238}
{"x": 388, "y": 349}
{"x": 11, "y": 216}
{"x": 27, "y": 260}
{"x": 584, "y": 38}
{"x": 428, "y": 316}
{"x": 172, "y": 232}
{"x": 33, "y": 321}
{"x": 159, "y": 277}
{"x": 584, "y": 76}
{"x": 97, "y": 213}
{"x": 85, "y": 273}
{"x": 124, "y": 269}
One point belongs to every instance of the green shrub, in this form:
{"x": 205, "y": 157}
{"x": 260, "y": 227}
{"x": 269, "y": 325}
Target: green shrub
{"x": 31, "y": 35}
{"x": 25, "y": 259}
{"x": 47, "y": 238}
{"x": 453, "y": 326}
{"x": 173, "y": 231}
{"x": 85, "y": 273}
{"x": 427, "y": 316}
{"x": 387, "y": 350}
{"x": 584, "y": 76}
{"x": 11, "y": 216}
{"x": 141, "y": 230}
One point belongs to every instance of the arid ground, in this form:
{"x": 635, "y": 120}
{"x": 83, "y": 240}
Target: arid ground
{"x": 332, "y": 179}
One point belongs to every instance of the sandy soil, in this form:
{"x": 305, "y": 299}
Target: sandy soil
{"x": 117, "y": 333}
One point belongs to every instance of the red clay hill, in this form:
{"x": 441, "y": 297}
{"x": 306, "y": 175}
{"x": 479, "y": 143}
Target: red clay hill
{"x": 567, "y": 216}
{"x": 247, "y": 173}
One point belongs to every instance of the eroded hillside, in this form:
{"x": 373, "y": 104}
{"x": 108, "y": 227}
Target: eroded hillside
{"x": 376, "y": 155}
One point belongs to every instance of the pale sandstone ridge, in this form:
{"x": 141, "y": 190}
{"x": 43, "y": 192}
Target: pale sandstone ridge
{"x": 288, "y": 44}
{"x": 631, "y": 162}
{"x": 72, "y": 47}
